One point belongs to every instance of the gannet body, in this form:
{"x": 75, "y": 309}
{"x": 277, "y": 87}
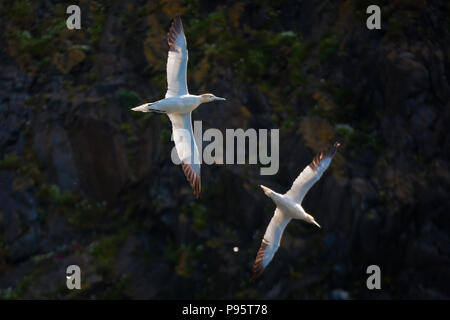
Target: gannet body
{"x": 289, "y": 207}
{"x": 178, "y": 104}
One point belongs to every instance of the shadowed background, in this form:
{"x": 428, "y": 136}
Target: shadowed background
{"x": 83, "y": 180}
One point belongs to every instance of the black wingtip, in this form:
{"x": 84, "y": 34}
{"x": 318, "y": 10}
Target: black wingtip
{"x": 175, "y": 29}
{"x": 193, "y": 179}
{"x": 258, "y": 266}
{"x": 324, "y": 154}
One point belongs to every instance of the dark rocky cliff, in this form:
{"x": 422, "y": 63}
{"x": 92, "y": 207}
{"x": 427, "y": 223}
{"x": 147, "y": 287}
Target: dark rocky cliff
{"x": 83, "y": 180}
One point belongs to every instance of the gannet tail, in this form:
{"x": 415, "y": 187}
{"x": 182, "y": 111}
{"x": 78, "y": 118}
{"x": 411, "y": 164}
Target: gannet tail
{"x": 148, "y": 107}
{"x": 266, "y": 190}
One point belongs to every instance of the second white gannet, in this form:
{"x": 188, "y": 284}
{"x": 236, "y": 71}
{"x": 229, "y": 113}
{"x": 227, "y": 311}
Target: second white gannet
{"x": 289, "y": 207}
{"x": 178, "y": 104}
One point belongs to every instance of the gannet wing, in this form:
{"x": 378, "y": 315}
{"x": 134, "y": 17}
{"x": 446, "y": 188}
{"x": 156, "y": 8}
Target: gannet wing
{"x": 311, "y": 174}
{"x": 177, "y": 60}
{"x": 270, "y": 242}
{"x": 186, "y": 149}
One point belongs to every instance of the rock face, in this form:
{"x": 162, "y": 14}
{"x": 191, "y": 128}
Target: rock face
{"x": 85, "y": 181}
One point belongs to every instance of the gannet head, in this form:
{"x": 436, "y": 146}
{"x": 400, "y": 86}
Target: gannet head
{"x": 310, "y": 219}
{"x": 208, "y": 97}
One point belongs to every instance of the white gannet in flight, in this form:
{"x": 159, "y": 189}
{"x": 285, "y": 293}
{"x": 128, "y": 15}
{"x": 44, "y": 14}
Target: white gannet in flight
{"x": 178, "y": 104}
{"x": 289, "y": 207}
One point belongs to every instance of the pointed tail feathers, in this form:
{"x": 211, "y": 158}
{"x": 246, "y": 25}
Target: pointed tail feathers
{"x": 266, "y": 190}
{"x": 147, "y": 107}
{"x": 142, "y": 108}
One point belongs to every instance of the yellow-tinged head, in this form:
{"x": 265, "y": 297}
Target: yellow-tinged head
{"x": 208, "y": 97}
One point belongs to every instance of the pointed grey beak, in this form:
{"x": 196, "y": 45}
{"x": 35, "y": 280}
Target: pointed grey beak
{"x": 314, "y": 221}
{"x": 141, "y": 108}
{"x": 219, "y": 98}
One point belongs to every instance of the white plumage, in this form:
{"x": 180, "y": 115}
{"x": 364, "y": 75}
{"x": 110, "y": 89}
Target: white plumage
{"x": 178, "y": 104}
{"x": 177, "y": 61}
{"x": 289, "y": 207}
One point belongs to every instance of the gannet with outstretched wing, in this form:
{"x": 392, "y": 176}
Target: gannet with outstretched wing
{"x": 289, "y": 207}
{"x": 178, "y": 104}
